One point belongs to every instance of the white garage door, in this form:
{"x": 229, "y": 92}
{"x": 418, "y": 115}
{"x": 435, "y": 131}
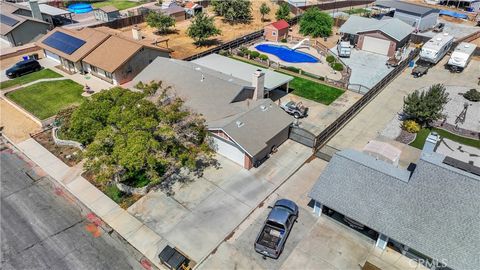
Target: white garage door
{"x": 376, "y": 45}
{"x": 52, "y": 56}
{"x": 229, "y": 151}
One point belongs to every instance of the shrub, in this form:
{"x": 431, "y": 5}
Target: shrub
{"x": 244, "y": 49}
{"x": 240, "y": 53}
{"x": 472, "y": 95}
{"x": 224, "y": 52}
{"x": 411, "y": 126}
{"x": 293, "y": 69}
{"x": 254, "y": 54}
{"x": 330, "y": 59}
{"x": 337, "y": 66}
{"x": 283, "y": 40}
{"x": 263, "y": 57}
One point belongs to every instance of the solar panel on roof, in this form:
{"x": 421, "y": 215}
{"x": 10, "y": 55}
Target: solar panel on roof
{"x": 63, "y": 42}
{"x": 7, "y": 20}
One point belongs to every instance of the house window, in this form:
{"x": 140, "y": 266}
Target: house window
{"x": 93, "y": 69}
{"x": 108, "y": 75}
{"x": 274, "y": 33}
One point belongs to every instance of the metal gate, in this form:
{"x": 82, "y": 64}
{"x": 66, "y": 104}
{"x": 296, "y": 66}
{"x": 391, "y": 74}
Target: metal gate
{"x": 302, "y": 136}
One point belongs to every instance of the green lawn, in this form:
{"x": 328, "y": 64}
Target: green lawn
{"x": 318, "y": 92}
{"x": 308, "y": 89}
{"x": 45, "y": 99}
{"x": 117, "y": 3}
{"x": 42, "y": 74}
{"x": 423, "y": 133}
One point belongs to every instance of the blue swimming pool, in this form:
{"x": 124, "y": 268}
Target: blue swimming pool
{"x": 79, "y": 8}
{"x": 286, "y": 54}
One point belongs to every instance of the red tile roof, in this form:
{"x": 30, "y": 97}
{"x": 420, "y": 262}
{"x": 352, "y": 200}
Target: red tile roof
{"x": 282, "y": 24}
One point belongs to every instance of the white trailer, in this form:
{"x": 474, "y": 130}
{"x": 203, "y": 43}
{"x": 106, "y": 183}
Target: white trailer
{"x": 461, "y": 56}
{"x": 344, "y": 49}
{"x": 436, "y": 48}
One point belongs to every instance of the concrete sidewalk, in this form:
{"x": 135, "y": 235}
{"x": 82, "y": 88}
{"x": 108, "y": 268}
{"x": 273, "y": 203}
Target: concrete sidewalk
{"x": 136, "y": 233}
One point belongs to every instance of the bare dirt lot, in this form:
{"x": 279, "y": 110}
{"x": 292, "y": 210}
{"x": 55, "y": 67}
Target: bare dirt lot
{"x": 16, "y": 125}
{"x": 183, "y": 45}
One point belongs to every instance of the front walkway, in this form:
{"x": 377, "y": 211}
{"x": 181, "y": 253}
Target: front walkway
{"x": 137, "y": 234}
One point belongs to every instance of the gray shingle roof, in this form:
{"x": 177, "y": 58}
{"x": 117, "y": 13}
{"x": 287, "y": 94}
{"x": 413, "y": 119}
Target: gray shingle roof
{"x": 242, "y": 70}
{"x": 215, "y": 98}
{"x": 393, "y": 27}
{"x": 436, "y": 212}
{"x": 406, "y": 7}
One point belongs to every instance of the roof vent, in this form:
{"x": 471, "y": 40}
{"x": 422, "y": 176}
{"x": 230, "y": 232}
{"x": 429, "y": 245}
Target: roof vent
{"x": 467, "y": 45}
{"x": 240, "y": 124}
{"x": 439, "y": 38}
{"x": 263, "y": 108}
{"x": 198, "y": 68}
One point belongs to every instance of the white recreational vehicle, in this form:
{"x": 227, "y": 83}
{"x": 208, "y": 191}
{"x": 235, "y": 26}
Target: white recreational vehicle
{"x": 461, "y": 56}
{"x": 436, "y": 48}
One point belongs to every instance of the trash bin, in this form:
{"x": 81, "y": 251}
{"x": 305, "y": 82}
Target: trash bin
{"x": 33, "y": 56}
{"x": 411, "y": 64}
{"x": 25, "y": 58}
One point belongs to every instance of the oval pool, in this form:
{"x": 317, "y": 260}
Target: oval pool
{"x": 79, "y": 8}
{"x": 286, "y": 54}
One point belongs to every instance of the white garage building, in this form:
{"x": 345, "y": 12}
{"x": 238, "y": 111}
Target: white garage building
{"x": 377, "y": 36}
{"x": 419, "y": 17}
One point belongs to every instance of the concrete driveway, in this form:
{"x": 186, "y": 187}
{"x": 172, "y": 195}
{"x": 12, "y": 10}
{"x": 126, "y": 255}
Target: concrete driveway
{"x": 371, "y": 120}
{"x": 455, "y": 29}
{"x": 367, "y": 68}
{"x": 202, "y": 213}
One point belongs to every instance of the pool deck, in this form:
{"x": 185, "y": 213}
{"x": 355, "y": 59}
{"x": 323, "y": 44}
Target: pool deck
{"x": 321, "y": 68}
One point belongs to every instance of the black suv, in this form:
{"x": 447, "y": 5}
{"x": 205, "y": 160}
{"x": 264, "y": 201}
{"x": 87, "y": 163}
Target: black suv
{"x": 23, "y": 67}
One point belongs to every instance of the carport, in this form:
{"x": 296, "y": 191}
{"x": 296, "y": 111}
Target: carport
{"x": 241, "y": 70}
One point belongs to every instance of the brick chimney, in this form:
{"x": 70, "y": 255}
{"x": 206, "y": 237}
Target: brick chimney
{"x": 258, "y": 81}
{"x": 36, "y": 14}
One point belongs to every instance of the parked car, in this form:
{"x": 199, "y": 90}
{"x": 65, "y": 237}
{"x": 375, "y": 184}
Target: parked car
{"x": 271, "y": 239}
{"x": 295, "y": 109}
{"x": 438, "y": 28}
{"x": 22, "y": 68}
{"x": 343, "y": 49}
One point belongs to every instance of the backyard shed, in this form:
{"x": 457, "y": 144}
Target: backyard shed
{"x": 419, "y": 17}
{"x": 106, "y": 14}
{"x": 276, "y": 31}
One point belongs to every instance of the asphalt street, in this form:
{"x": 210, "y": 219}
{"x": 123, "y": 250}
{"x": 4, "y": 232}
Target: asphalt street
{"x": 43, "y": 227}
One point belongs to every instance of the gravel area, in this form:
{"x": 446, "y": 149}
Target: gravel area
{"x": 455, "y": 106}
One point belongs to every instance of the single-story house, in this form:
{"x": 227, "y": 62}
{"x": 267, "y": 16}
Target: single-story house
{"x": 100, "y": 51}
{"x": 244, "y": 126}
{"x": 44, "y": 12}
{"x": 16, "y": 30}
{"x": 231, "y": 67}
{"x": 276, "y": 31}
{"x": 419, "y": 17}
{"x": 173, "y": 10}
{"x": 192, "y": 9}
{"x": 106, "y": 13}
{"x": 429, "y": 211}
{"x": 118, "y": 60}
{"x": 377, "y": 36}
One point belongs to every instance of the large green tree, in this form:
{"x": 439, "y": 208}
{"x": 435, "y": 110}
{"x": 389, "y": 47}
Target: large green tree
{"x": 160, "y": 21}
{"x": 202, "y": 28}
{"x": 233, "y": 11}
{"x": 264, "y": 10}
{"x": 283, "y": 12}
{"x": 127, "y": 134}
{"x": 316, "y": 23}
{"x": 426, "y": 106}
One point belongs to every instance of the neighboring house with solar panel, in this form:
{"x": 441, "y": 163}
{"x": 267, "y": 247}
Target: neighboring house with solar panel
{"x": 100, "y": 52}
{"x": 16, "y": 30}
{"x": 41, "y": 12}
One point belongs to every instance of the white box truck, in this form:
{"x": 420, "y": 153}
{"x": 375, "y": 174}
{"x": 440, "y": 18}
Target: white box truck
{"x": 461, "y": 56}
{"x": 436, "y": 48}
{"x": 344, "y": 49}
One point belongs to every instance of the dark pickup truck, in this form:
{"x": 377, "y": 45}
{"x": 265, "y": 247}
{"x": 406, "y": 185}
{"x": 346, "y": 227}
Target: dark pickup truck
{"x": 271, "y": 239}
{"x": 421, "y": 68}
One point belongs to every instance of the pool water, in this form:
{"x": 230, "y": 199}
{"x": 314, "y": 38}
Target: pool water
{"x": 80, "y": 8}
{"x": 286, "y": 54}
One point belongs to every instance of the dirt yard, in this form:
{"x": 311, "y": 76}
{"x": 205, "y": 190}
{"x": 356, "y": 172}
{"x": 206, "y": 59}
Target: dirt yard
{"x": 16, "y": 125}
{"x": 183, "y": 45}
{"x": 8, "y": 62}
{"x": 69, "y": 155}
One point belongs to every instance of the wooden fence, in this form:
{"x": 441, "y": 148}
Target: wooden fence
{"x": 123, "y": 22}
